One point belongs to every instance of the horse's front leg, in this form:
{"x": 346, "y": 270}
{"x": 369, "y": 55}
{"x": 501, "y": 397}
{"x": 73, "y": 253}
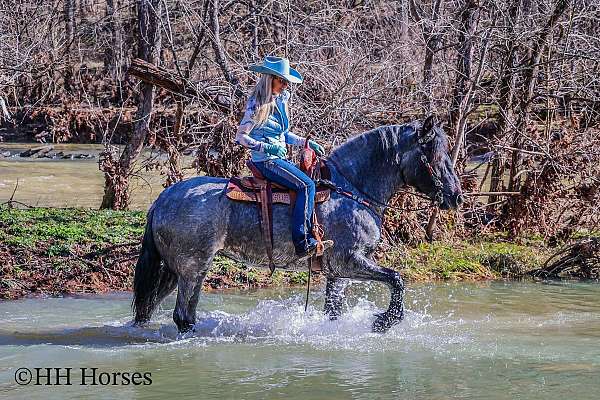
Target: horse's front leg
{"x": 366, "y": 269}
{"x": 334, "y": 297}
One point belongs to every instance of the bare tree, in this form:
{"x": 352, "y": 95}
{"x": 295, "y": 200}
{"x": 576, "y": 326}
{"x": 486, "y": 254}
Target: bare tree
{"x": 518, "y": 80}
{"x": 117, "y": 173}
{"x": 69, "y": 15}
{"x": 113, "y": 52}
{"x": 432, "y": 39}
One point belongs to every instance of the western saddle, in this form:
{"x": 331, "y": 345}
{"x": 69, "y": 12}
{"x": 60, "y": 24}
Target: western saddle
{"x": 258, "y": 189}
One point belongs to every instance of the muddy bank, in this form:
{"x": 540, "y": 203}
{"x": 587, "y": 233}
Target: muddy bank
{"x": 54, "y": 251}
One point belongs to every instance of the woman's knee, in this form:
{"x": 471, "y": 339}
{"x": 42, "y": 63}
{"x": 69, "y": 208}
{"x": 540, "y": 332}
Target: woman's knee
{"x": 310, "y": 187}
{"x": 307, "y": 188}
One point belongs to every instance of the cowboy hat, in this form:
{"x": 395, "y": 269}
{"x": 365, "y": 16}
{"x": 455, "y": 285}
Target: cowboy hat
{"x": 278, "y": 66}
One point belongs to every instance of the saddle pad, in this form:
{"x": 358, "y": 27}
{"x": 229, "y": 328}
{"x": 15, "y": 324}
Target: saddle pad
{"x": 235, "y": 191}
{"x": 251, "y": 183}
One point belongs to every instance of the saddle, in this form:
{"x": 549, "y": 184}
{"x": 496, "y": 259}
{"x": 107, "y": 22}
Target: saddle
{"x": 258, "y": 189}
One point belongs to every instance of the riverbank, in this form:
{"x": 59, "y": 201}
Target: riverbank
{"x": 55, "y": 251}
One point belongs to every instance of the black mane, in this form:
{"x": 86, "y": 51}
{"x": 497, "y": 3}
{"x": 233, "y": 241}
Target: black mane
{"x": 391, "y": 141}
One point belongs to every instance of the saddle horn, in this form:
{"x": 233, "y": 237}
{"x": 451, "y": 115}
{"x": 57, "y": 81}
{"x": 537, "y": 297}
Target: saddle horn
{"x": 308, "y": 158}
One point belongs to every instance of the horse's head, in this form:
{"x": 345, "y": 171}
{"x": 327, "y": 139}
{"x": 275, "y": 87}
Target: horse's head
{"x": 427, "y": 166}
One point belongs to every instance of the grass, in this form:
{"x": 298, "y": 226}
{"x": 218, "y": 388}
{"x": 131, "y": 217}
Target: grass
{"x": 60, "y": 238}
{"x": 466, "y": 260}
{"x": 65, "y": 227}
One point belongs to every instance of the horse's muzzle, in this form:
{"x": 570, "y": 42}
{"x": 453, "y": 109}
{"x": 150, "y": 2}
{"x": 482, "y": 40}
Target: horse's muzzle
{"x": 452, "y": 201}
{"x": 459, "y": 199}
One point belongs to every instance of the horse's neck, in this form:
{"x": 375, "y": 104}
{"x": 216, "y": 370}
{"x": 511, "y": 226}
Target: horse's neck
{"x": 366, "y": 166}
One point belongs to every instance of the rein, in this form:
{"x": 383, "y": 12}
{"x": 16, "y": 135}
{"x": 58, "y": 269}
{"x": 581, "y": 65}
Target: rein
{"x": 372, "y": 203}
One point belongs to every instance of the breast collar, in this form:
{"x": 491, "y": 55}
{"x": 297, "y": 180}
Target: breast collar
{"x": 367, "y": 201}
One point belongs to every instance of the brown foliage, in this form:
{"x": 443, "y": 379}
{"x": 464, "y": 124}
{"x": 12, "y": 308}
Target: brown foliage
{"x": 520, "y": 79}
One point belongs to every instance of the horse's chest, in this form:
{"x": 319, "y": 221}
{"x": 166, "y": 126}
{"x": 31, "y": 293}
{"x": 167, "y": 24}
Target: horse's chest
{"x": 352, "y": 222}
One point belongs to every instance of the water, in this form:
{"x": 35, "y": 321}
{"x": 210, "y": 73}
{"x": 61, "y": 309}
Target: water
{"x": 71, "y": 183}
{"x": 468, "y": 341}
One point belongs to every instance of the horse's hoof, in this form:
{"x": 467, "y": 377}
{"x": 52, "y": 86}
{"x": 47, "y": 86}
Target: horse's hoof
{"x": 140, "y": 324}
{"x": 383, "y": 323}
{"x": 186, "y": 329}
{"x": 333, "y": 313}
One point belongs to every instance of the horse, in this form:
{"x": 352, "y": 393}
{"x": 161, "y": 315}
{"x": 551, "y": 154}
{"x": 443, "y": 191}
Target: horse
{"x": 193, "y": 221}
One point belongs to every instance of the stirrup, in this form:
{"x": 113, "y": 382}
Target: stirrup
{"x": 318, "y": 250}
{"x": 323, "y": 245}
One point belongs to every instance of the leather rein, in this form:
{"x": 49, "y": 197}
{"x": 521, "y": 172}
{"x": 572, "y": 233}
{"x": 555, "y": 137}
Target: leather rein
{"x": 372, "y": 203}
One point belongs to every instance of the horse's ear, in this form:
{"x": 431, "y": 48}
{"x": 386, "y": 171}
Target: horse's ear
{"x": 427, "y": 133}
{"x": 429, "y": 123}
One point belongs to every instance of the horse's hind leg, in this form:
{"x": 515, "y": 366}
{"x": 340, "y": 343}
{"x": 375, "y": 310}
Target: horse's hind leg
{"x": 366, "y": 269}
{"x": 188, "y": 294}
{"x": 166, "y": 287}
{"x": 334, "y": 297}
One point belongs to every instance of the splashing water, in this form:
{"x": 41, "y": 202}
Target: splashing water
{"x": 498, "y": 340}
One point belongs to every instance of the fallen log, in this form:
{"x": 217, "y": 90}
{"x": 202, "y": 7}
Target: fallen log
{"x": 578, "y": 260}
{"x": 175, "y": 84}
{"x": 36, "y": 152}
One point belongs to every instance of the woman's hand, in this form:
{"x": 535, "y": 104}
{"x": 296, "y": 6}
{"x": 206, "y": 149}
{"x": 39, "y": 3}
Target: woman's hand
{"x": 316, "y": 147}
{"x": 275, "y": 150}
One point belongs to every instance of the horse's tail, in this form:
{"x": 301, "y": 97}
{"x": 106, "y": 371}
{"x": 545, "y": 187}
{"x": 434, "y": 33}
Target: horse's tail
{"x": 152, "y": 280}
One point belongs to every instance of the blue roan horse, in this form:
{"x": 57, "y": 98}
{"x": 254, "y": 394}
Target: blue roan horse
{"x": 193, "y": 221}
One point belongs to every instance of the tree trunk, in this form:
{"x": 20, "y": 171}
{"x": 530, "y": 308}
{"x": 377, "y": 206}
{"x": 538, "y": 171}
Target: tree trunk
{"x": 507, "y": 87}
{"x": 403, "y": 11}
{"x": 432, "y": 40}
{"x": 175, "y": 174}
{"x": 527, "y": 91}
{"x": 69, "y": 15}
{"x": 112, "y": 53}
{"x": 462, "y": 90}
{"x": 464, "y": 59}
{"x": 220, "y": 55}
{"x": 116, "y": 193}
{"x": 84, "y": 9}
{"x": 199, "y": 33}
{"x": 253, "y": 8}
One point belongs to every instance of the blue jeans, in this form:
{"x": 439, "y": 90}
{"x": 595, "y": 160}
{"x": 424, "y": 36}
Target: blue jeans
{"x": 287, "y": 174}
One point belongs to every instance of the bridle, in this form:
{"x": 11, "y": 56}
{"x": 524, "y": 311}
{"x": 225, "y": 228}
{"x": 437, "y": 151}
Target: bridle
{"x": 374, "y": 204}
{"x": 438, "y": 196}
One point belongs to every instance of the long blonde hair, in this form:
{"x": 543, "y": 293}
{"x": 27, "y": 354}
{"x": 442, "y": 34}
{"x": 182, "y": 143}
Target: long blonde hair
{"x": 263, "y": 96}
{"x": 265, "y": 103}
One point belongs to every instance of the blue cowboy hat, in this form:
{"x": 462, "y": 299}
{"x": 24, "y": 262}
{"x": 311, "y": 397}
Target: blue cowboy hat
{"x": 278, "y": 66}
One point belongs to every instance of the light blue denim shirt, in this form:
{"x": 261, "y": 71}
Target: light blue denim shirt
{"x": 274, "y": 130}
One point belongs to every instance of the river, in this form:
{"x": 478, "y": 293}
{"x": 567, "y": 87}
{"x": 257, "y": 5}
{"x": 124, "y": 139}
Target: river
{"x": 72, "y": 183}
{"x": 493, "y": 340}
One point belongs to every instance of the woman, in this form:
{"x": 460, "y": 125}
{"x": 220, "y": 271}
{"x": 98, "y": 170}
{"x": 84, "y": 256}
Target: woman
{"x": 264, "y": 129}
